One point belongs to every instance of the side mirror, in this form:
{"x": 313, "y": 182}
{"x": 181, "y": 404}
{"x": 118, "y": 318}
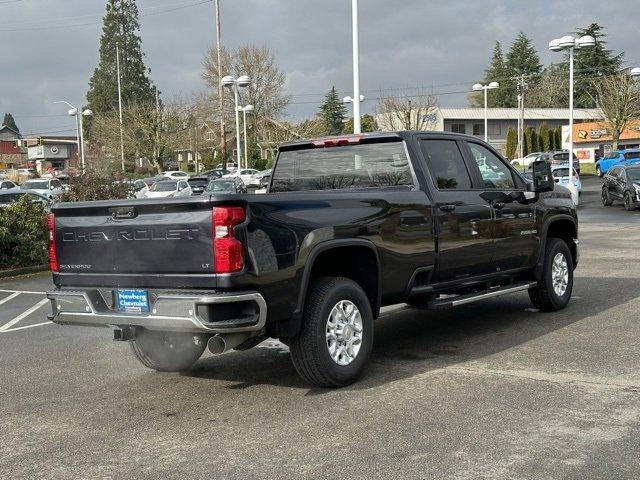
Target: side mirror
{"x": 542, "y": 177}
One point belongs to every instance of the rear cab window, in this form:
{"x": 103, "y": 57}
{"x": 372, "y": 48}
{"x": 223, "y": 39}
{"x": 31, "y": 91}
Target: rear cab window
{"x": 446, "y": 164}
{"x": 356, "y": 166}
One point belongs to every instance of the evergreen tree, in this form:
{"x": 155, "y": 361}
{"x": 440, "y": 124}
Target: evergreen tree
{"x": 332, "y": 113}
{"x": 120, "y": 26}
{"x": 544, "y": 142}
{"x": 527, "y": 141}
{"x": 10, "y": 122}
{"x": 557, "y": 138}
{"x": 512, "y": 143}
{"x": 522, "y": 59}
{"x": 496, "y": 72}
{"x": 592, "y": 62}
{"x": 535, "y": 145}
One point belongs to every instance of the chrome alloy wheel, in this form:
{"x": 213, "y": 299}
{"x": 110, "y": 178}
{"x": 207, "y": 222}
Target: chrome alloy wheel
{"x": 560, "y": 274}
{"x": 344, "y": 332}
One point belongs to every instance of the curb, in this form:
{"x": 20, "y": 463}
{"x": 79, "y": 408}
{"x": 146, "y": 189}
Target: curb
{"x": 23, "y": 270}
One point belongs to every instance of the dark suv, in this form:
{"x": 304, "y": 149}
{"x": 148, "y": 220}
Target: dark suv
{"x": 622, "y": 182}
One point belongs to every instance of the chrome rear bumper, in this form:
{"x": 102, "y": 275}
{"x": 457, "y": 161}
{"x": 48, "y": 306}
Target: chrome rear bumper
{"x": 181, "y": 312}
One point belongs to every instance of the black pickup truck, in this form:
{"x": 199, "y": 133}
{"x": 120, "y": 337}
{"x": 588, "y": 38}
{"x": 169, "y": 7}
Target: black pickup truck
{"x": 349, "y": 225}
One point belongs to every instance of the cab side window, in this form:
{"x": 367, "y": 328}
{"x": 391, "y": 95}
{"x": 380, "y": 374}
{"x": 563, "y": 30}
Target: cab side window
{"x": 446, "y": 164}
{"x": 494, "y": 172}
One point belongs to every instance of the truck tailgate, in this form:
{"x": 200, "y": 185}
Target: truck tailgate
{"x": 134, "y": 237}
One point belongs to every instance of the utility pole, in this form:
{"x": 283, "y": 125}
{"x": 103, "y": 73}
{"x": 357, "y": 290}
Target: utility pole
{"x": 195, "y": 132}
{"x": 119, "y": 106}
{"x": 223, "y": 134}
{"x": 521, "y": 87}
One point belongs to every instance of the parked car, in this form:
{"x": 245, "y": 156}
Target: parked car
{"x": 264, "y": 184}
{"x": 176, "y": 175}
{"x": 215, "y": 173}
{"x": 140, "y": 188}
{"x": 617, "y": 157}
{"x": 169, "y": 188}
{"x": 7, "y": 197}
{"x": 351, "y": 224}
{"x": 622, "y": 183}
{"x": 561, "y": 176}
{"x": 50, "y": 188}
{"x": 520, "y": 163}
{"x": 248, "y": 176}
{"x": 7, "y": 185}
{"x": 559, "y": 157}
{"x": 226, "y": 185}
{"x": 198, "y": 184}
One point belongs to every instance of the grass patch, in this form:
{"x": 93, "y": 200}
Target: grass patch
{"x": 587, "y": 169}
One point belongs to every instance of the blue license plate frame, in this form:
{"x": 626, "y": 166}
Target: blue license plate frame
{"x": 132, "y": 300}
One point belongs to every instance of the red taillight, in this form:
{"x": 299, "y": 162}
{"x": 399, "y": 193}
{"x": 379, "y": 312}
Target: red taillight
{"x": 227, "y": 250}
{"x": 53, "y": 253}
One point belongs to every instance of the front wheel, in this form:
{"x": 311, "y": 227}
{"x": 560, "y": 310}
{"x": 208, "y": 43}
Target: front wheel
{"x": 606, "y": 197}
{"x": 554, "y": 288}
{"x": 336, "y": 336}
{"x": 629, "y": 204}
{"x": 167, "y": 351}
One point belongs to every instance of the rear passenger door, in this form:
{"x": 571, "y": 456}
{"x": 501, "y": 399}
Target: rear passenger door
{"x": 515, "y": 231}
{"x": 462, "y": 217}
{"x": 613, "y": 182}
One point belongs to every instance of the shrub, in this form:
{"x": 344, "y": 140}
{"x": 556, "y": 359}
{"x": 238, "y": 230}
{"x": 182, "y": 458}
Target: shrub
{"x": 24, "y": 235}
{"x": 92, "y": 186}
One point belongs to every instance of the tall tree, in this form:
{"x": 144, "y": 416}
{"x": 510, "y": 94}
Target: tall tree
{"x": 367, "y": 122}
{"x": 10, "y": 122}
{"x": 512, "y": 143}
{"x": 544, "y": 140}
{"x": 333, "y": 113}
{"x": 403, "y": 113}
{"x": 522, "y": 59}
{"x": 593, "y": 62}
{"x": 496, "y": 72}
{"x": 120, "y": 26}
{"x": 618, "y": 97}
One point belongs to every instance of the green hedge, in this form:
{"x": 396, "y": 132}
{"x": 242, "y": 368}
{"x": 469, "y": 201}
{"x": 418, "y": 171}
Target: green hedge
{"x": 24, "y": 235}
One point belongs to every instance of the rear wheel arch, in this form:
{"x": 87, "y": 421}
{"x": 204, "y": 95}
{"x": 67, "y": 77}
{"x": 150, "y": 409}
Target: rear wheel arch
{"x": 337, "y": 258}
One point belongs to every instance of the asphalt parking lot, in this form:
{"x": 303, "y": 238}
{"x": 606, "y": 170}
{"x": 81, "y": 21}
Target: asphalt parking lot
{"x": 495, "y": 390}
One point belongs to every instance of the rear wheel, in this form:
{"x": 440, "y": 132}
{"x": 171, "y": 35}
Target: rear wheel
{"x": 628, "y": 202}
{"x": 167, "y": 351}
{"x": 553, "y": 291}
{"x": 335, "y": 341}
{"x": 606, "y": 197}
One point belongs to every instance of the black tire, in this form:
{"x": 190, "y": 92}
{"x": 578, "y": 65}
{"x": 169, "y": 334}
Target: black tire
{"x": 629, "y": 204}
{"x": 544, "y": 296}
{"x": 599, "y": 171}
{"x": 606, "y": 197}
{"x": 167, "y": 351}
{"x": 310, "y": 350}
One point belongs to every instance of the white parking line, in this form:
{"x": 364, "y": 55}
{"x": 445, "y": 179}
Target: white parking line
{"x": 13, "y": 295}
{"x": 11, "y": 323}
{"x": 25, "y": 327}
{"x": 23, "y": 291}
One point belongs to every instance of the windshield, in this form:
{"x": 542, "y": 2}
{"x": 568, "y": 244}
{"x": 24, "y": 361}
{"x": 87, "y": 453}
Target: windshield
{"x": 630, "y": 155}
{"x": 345, "y": 167}
{"x": 164, "y": 187}
{"x": 633, "y": 174}
{"x": 563, "y": 172}
{"x": 35, "y": 185}
{"x": 218, "y": 186}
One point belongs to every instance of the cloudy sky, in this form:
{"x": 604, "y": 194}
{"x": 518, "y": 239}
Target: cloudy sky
{"x": 49, "y": 47}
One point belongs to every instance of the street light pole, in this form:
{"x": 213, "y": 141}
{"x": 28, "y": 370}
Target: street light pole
{"x": 485, "y": 88}
{"x": 235, "y": 83}
{"x": 73, "y": 112}
{"x": 571, "y": 43}
{"x": 120, "y": 106}
{"x": 246, "y": 109}
{"x": 357, "y": 127}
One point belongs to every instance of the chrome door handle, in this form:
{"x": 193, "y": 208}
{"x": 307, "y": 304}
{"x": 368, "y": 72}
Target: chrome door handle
{"x": 449, "y": 207}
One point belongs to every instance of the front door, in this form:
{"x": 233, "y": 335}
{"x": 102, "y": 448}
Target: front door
{"x": 462, "y": 218}
{"x": 515, "y": 232}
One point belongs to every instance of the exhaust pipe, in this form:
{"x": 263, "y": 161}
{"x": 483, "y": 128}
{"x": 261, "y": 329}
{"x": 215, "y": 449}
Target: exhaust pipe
{"x": 224, "y": 342}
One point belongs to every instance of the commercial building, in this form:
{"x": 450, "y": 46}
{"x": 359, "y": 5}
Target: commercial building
{"x": 593, "y": 140}
{"x": 52, "y": 153}
{"x": 470, "y": 121}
